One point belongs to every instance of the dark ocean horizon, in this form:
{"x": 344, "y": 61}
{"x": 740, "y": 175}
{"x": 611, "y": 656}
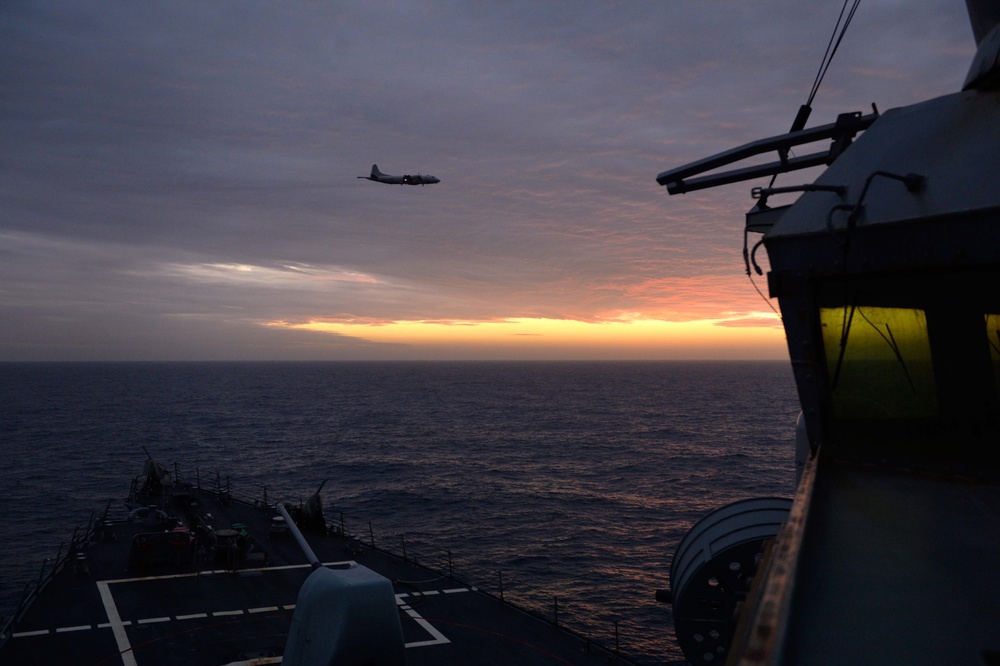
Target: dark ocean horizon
{"x": 576, "y": 480}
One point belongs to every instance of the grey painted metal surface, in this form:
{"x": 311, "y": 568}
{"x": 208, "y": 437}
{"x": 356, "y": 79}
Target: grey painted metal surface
{"x": 712, "y": 571}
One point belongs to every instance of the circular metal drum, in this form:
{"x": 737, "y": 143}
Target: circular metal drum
{"x": 712, "y": 571}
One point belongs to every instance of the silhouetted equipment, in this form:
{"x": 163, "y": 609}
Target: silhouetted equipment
{"x": 841, "y": 133}
{"x": 712, "y": 570}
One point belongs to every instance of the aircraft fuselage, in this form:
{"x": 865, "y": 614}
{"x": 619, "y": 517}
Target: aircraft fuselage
{"x": 418, "y": 179}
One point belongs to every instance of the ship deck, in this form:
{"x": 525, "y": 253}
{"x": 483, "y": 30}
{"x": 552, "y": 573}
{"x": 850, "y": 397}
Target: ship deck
{"x": 889, "y": 554}
{"x": 175, "y": 605}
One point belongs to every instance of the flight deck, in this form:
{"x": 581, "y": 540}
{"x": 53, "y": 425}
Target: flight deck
{"x": 139, "y": 594}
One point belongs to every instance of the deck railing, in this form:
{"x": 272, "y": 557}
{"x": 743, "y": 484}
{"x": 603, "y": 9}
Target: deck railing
{"x": 65, "y": 556}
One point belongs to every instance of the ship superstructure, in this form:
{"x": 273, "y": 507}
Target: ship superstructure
{"x": 887, "y": 274}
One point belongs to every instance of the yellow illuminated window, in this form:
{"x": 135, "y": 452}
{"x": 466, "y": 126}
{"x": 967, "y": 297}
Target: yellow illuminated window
{"x": 879, "y": 362}
{"x": 993, "y": 337}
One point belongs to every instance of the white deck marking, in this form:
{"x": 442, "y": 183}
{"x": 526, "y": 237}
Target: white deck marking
{"x": 428, "y": 593}
{"x": 438, "y": 637}
{"x": 117, "y": 625}
{"x": 153, "y": 620}
{"x": 192, "y": 616}
{"x": 124, "y": 647}
{"x": 265, "y": 609}
{"x": 115, "y": 621}
{"x": 218, "y": 572}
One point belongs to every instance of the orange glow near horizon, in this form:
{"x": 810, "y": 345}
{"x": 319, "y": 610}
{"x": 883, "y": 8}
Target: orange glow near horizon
{"x": 761, "y": 337}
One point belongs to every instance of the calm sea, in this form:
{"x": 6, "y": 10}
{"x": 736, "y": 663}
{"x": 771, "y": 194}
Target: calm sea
{"x": 565, "y": 481}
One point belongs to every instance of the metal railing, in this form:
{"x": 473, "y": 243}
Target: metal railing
{"x": 413, "y": 547}
{"x": 81, "y": 538}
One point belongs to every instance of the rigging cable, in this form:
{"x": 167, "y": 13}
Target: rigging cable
{"x": 748, "y": 258}
{"x": 832, "y": 46}
{"x": 803, "y": 115}
{"x": 831, "y": 49}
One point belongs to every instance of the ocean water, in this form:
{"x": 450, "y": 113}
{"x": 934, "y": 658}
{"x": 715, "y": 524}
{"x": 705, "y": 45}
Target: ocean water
{"x": 567, "y": 483}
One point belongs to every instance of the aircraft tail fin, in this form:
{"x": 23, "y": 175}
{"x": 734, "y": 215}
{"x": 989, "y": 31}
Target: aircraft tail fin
{"x": 375, "y": 172}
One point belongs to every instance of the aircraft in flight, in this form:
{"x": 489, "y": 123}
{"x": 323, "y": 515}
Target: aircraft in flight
{"x": 380, "y": 177}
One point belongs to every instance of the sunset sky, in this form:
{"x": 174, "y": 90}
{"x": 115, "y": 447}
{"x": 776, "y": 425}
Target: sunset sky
{"x": 178, "y": 179}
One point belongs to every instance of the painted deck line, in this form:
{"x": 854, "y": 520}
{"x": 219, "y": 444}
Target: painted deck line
{"x": 147, "y": 620}
{"x": 265, "y": 609}
{"x": 115, "y": 620}
{"x": 217, "y": 572}
{"x": 430, "y": 593}
{"x": 192, "y": 616}
{"x": 437, "y": 637}
{"x": 153, "y": 620}
{"x": 118, "y": 625}
{"x": 27, "y": 634}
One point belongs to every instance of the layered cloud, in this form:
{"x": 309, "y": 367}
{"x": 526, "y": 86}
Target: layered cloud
{"x": 179, "y": 179}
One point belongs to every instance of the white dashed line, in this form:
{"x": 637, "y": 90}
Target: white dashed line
{"x": 437, "y": 637}
{"x": 266, "y": 609}
{"x": 105, "y": 625}
{"x": 124, "y": 647}
{"x": 118, "y": 625}
{"x": 154, "y": 620}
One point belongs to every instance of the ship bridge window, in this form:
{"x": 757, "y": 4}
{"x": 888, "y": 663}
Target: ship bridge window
{"x": 912, "y": 368}
{"x": 993, "y": 338}
{"x": 878, "y": 362}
